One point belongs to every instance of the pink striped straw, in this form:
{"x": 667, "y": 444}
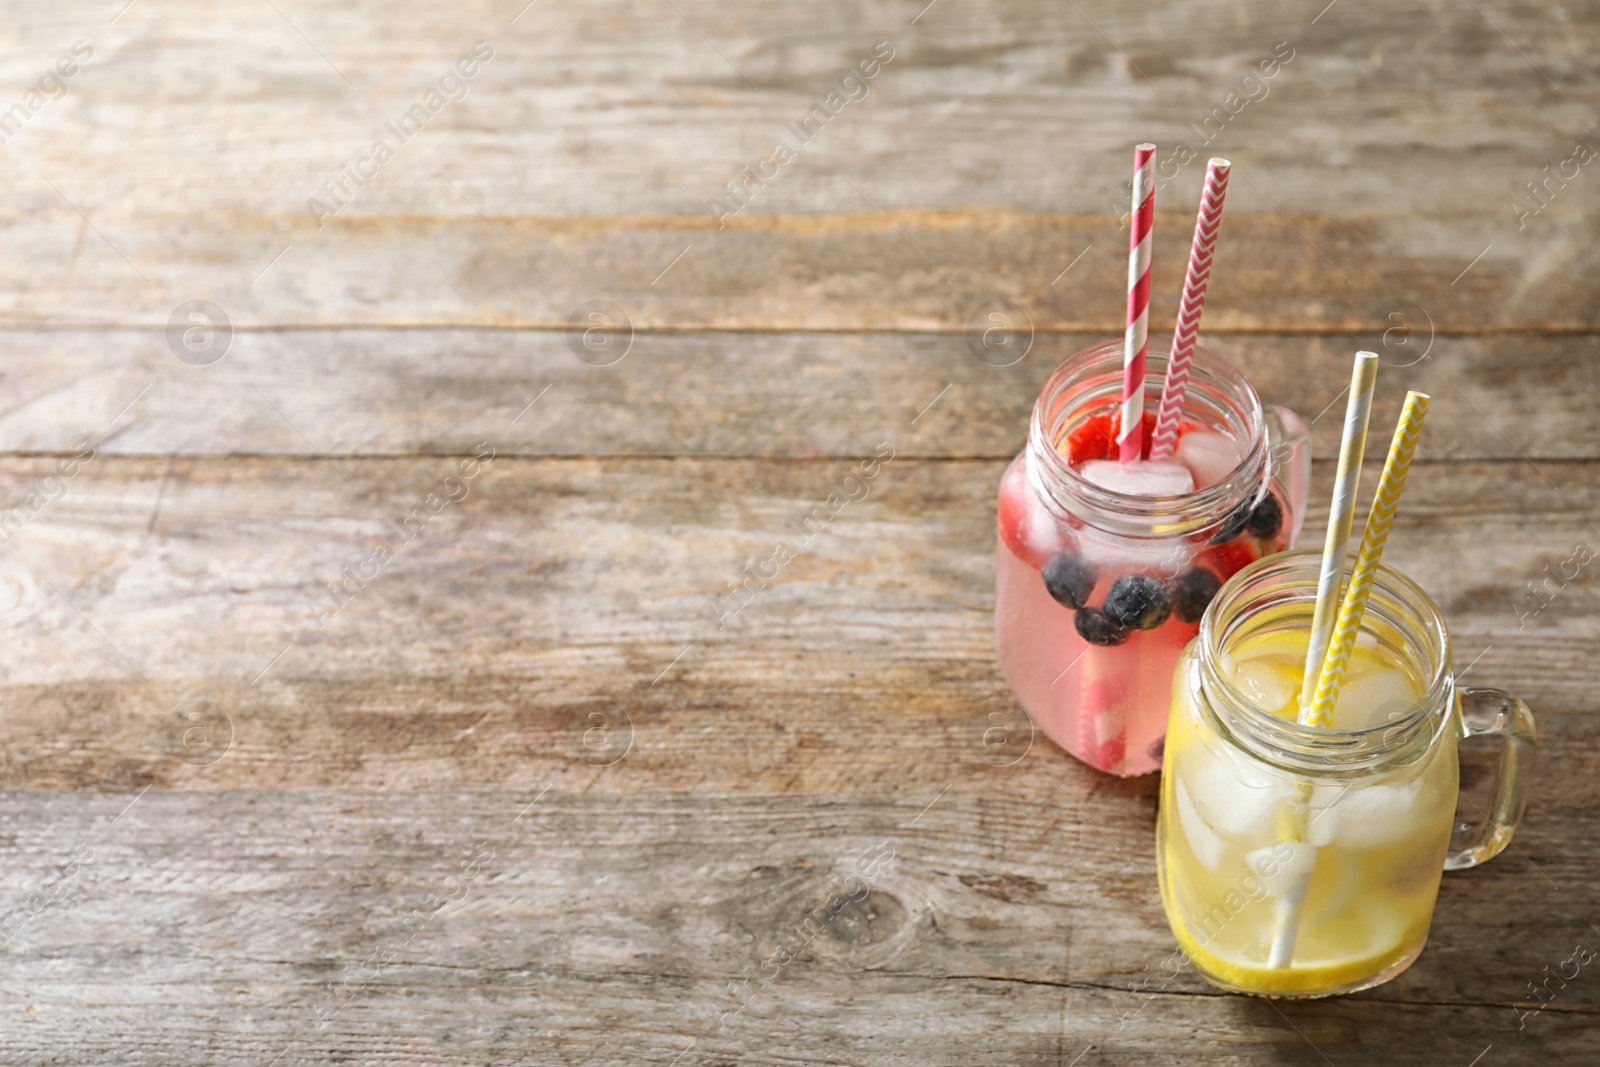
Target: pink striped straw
{"x": 1130, "y": 439}
{"x": 1190, "y": 307}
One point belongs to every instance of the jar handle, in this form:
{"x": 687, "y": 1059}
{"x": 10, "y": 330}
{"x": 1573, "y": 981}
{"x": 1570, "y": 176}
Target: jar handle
{"x": 1289, "y": 444}
{"x": 1497, "y": 712}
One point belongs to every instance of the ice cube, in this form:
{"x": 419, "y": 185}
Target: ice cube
{"x": 1040, "y": 531}
{"x": 1269, "y": 686}
{"x": 1111, "y": 555}
{"x": 1202, "y": 840}
{"x": 1323, "y": 812}
{"x": 1141, "y": 477}
{"x": 1371, "y": 815}
{"x": 1037, "y": 528}
{"x": 1210, "y": 457}
{"x": 1282, "y": 865}
{"x": 1234, "y": 798}
{"x": 1373, "y": 697}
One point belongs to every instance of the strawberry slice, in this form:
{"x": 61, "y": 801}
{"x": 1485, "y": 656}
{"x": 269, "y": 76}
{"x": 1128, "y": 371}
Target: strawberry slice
{"x": 1029, "y": 535}
{"x": 1148, "y": 424}
{"x": 1227, "y": 559}
{"x": 1102, "y": 730}
{"x": 1010, "y": 514}
{"x": 1093, "y": 438}
{"x": 1096, "y": 437}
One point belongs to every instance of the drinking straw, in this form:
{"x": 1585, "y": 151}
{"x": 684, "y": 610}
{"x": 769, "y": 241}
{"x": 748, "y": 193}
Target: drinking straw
{"x": 1358, "y": 409}
{"x": 1384, "y": 504}
{"x": 1190, "y": 305}
{"x": 1348, "y": 479}
{"x": 1331, "y": 675}
{"x": 1102, "y": 731}
{"x": 1130, "y": 438}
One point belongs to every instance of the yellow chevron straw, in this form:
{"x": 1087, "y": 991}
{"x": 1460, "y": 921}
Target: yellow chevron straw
{"x": 1379, "y": 519}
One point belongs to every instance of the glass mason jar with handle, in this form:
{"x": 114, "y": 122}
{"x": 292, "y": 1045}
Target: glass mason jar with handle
{"x": 1303, "y": 862}
{"x": 1097, "y": 590}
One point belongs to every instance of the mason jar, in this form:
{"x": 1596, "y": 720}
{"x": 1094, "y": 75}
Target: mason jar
{"x": 1097, "y": 591}
{"x": 1303, "y": 862}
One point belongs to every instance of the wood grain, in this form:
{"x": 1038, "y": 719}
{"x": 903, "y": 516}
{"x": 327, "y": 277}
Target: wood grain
{"x": 236, "y": 825}
{"x": 614, "y": 109}
{"x": 900, "y": 270}
{"x": 1001, "y": 923}
{"x": 988, "y": 154}
{"x": 561, "y": 590}
{"x": 790, "y": 395}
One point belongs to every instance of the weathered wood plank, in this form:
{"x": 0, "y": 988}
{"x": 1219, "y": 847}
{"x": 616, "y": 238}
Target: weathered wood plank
{"x": 997, "y": 925}
{"x": 563, "y": 590}
{"x": 799, "y": 395}
{"x": 904, "y": 270}
{"x": 988, "y": 154}
{"x": 593, "y": 111}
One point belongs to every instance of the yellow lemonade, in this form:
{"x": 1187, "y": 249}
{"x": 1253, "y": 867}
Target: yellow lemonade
{"x": 1241, "y": 839}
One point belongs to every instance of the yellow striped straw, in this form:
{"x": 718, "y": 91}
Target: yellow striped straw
{"x": 1379, "y": 519}
{"x": 1363, "y": 378}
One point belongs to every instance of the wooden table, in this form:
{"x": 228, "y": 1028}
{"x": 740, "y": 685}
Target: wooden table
{"x": 518, "y": 794}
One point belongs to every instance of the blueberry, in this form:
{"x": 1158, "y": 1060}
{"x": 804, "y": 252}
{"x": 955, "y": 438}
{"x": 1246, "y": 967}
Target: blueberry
{"x": 1158, "y": 749}
{"x": 1095, "y": 628}
{"x": 1235, "y": 523}
{"x": 1137, "y": 602}
{"x": 1192, "y": 592}
{"x": 1068, "y": 580}
{"x": 1267, "y": 518}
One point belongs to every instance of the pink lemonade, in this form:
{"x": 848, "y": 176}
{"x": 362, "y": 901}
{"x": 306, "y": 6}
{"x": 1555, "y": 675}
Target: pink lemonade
{"x": 1104, "y": 569}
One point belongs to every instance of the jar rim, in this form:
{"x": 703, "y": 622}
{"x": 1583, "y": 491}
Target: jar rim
{"x": 1097, "y": 369}
{"x": 1301, "y": 747}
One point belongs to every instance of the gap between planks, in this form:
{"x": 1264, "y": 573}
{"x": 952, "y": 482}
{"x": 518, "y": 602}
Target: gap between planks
{"x": 1112, "y": 330}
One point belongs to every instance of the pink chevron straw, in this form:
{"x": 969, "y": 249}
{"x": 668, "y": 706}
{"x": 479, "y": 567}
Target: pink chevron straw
{"x": 1189, "y": 308}
{"x": 1130, "y": 436}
